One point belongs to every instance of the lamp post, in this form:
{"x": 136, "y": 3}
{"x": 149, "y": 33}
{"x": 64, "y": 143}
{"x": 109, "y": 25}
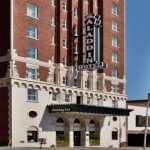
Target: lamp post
{"x": 146, "y": 121}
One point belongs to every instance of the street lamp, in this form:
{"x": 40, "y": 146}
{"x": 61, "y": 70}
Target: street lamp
{"x": 146, "y": 121}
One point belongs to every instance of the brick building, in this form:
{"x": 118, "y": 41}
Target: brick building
{"x": 40, "y": 43}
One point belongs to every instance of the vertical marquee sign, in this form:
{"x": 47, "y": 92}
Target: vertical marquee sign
{"x": 92, "y": 23}
{"x": 92, "y": 35}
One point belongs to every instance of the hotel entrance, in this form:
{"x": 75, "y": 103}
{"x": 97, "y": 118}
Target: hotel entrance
{"x": 77, "y": 138}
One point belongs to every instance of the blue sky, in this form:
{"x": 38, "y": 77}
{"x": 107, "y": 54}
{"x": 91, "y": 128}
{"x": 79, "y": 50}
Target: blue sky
{"x": 137, "y": 48}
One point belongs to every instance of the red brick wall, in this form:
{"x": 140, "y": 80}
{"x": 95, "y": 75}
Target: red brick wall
{"x": 43, "y": 73}
{"x": 4, "y": 116}
{"x": 4, "y": 27}
{"x": 21, "y": 68}
{"x": 45, "y": 30}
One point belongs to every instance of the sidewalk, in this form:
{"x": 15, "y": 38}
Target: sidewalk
{"x": 74, "y": 148}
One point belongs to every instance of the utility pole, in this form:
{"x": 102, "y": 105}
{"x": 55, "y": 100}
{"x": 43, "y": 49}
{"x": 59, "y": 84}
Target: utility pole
{"x": 146, "y": 121}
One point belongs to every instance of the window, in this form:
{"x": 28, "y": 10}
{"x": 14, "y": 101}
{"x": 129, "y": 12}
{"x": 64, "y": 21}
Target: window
{"x": 140, "y": 121}
{"x": 114, "y": 57}
{"x": 53, "y": 59}
{"x": 115, "y": 103}
{"x": 60, "y": 120}
{"x": 32, "y": 31}
{"x": 76, "y": 121}
{"x": 86, "y": 1}
{"x": 53, "y": 40}
{"x": 96, "y": 3}
{"x": 75, "y": 82}
{"x": 75, "y": 12}
{"x": 64, "y": 6}
{"x": 64, "y": 24}
{"x": 64, "y": 61}
{"x": 32, "y": 95}
{"x": 75, "y": 30}
{"x": 115, "y": 134}
{"x": 64, "y": 80}
{"x": 67, "y": 98}
{"x": 53, "y": 3}
{"x": 115, "y": 41}
{"x": 31, "y": 52}
{"x": 114, "y": 73}
{"x": 32, "y": 73}
{"x": 55, "y": 96}
{"x": 114, "y": 25}
{"x": 64, "y": 43}
{"x": 114, "y": 9}
{"x": 32, "y": 134}
{"x": 52, "y": 21}
{"x": 75, "y": 48}
{"x": 114, "y": 88}
{"x": 32, "y": 10}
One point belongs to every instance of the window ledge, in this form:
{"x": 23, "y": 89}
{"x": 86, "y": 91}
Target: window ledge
{"x": 32, "y": 17}
{"x": 32, "y": 38}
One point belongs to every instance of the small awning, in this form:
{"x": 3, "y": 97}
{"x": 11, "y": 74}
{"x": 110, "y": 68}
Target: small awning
{"x": 62, "y": 108}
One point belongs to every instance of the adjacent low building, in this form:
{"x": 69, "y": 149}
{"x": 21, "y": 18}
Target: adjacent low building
{"x": 136, "y": 123}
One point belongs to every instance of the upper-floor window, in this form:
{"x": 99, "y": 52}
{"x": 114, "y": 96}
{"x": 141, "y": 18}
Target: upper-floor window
{"x": 67, "y": 97}
{"x": 114, "y": 72}
{"x": 75, "y": 48}
{"x": 96, "y": 3}
{"x": 114, "y": 25}
{"x": 32, "y": 10}
{"x": 32, "y": 52}
{"x": 64, "y": 80}
{"x": 114, "y": 9}
{"x": 64, "y": 43}
{"x": 115, "y": 41}
{"x": 32, "y": 31}
{"x": 75, "y": 30}
{"x": 64, "y": 6}
{"x": 86, "y": 1}
{"x": 75, "y": 12}
{"x": 115, "y": 103}
{"x": 32, "y": 73}
{"x": 55, "y": 96}
{"x": 53, "y": 40}
{"x": 52, "y": 21}
{"x": 75, "y": 82}
{"x": 53, "y": 3}
{"x": 64, "y": 24}
{"x": 140, "y": 121}
{"x": 64, "y": 61}
{"x": 114, "y": 88}
{"x": 114, "y": 57}
{"x": 32, "y": 94}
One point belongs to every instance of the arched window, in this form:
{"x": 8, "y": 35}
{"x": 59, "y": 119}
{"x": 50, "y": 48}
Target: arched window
{"x": 115, "y": 134}
{"x": 32, "y": 134}
{"x": 92, "y": 122}
{"x": 76, "y": 121}
{"x": 60, "y": 120}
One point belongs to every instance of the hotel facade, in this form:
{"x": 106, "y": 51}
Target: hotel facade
{"x": 46, "y": 93}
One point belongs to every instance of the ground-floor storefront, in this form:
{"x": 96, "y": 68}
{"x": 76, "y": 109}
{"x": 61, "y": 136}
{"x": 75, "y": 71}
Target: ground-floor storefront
{"x": 137, "y": 139}
{"x": 88, "y": 126}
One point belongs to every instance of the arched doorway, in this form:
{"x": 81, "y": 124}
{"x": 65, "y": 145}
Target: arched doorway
{"x": 61, "y": 136}
{"x": 94, "y": 135}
